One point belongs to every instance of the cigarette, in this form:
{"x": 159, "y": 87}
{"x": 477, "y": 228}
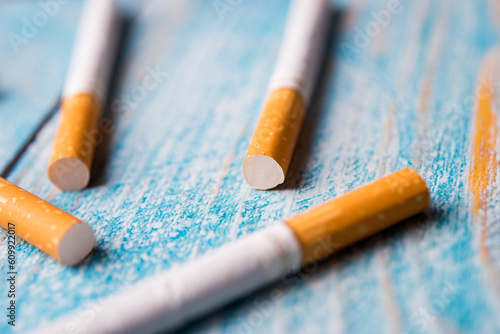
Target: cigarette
{"x": 170, "y": 300}
{"x": 53, "y": 231}
{"x": 84, "y": 95}
{"x": 273, "y": 142}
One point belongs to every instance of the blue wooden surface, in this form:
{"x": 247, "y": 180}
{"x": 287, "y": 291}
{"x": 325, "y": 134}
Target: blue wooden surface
{"x": 30, "y": 70}
{"x": 167, "y": 184}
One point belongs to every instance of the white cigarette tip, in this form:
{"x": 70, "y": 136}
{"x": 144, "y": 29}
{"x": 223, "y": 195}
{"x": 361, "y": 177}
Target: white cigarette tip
{"x": 76, "y": 244}
{"x": 262, "y": 172}
{"x": 69, "y": 174}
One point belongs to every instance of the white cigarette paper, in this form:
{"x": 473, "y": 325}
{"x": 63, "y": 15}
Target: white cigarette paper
{"x": 167, "y": 301}
{"x": 302, "y": 47}
{"x": 94, "y": 50}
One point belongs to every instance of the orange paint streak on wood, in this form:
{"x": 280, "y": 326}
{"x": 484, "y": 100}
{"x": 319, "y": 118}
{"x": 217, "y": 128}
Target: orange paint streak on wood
{"x": 425, "y": 96}
{"x": 495, "y": 11}
{"x": 389, "y": 300}
{"x": 484, "y": 159}
{"x": 389, "y": 126}
{"x": 391, "y": 305}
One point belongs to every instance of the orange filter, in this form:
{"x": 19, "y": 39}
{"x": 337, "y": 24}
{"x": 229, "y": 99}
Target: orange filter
{"x": 84, "y": 94}
{"x": 73, "y": 152}
{"x": 43, "y": 225}
{"x": 359, "y": 214}
{"x": 274, "y": 139}
{"x": 291, "y": 87}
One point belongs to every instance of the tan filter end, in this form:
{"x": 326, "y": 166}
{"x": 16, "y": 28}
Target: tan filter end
{"x": 274, "y": 139}
{"x": 43, "y": 225}
{"x": 73, "y": 153}
{"x": 360, "y": 213}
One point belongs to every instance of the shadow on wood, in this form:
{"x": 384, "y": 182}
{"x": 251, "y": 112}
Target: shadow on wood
{"x": 52, "y": 112}
{"x": 109, "y": 117}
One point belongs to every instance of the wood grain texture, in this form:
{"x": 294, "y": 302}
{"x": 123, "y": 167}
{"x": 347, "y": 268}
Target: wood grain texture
{"x": 167, "y": 184}
{"x": 34, "y": 49}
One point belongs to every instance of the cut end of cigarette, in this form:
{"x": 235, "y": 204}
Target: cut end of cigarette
{"x": 69, "y": 174}
{"x": 262, "y": 172}
{"x": 76, "y": 244}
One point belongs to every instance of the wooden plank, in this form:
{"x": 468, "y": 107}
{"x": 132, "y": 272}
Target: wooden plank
{"x": 168, "y": 187}
{"x": 34, "y": 50}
